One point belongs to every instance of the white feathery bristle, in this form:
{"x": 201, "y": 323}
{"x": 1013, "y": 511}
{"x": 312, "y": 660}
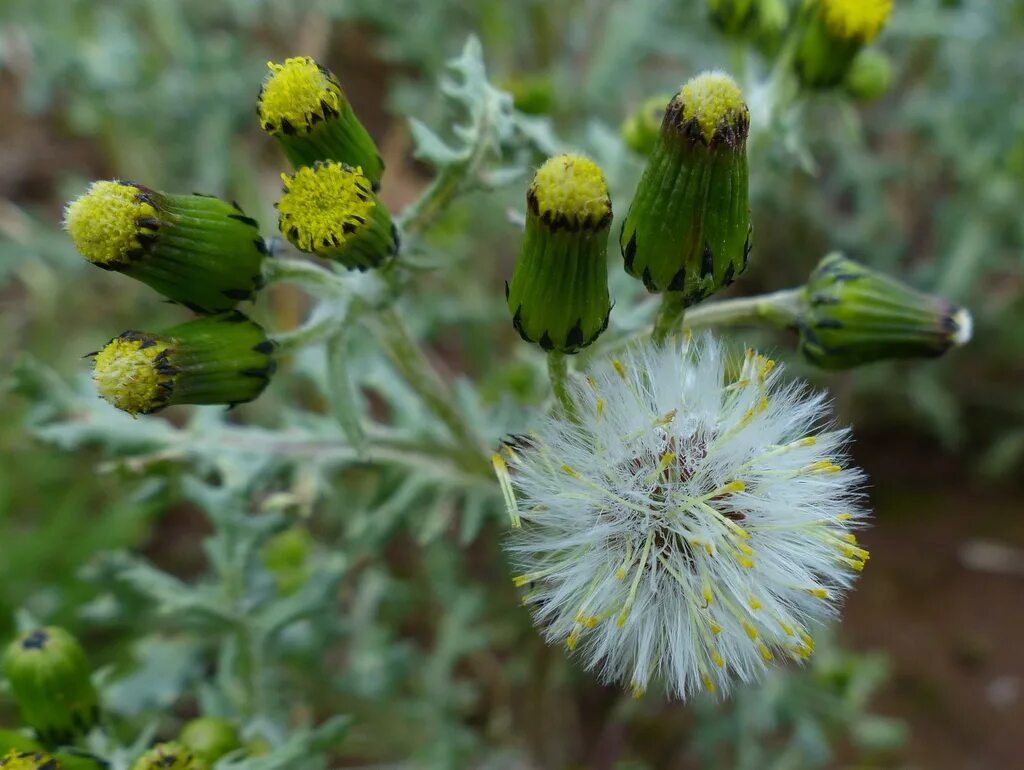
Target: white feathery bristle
{"x": 964, "y": 322}
{"x": 685, "y": 528}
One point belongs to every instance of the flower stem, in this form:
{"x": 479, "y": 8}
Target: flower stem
{"x": 558, "y": 373}
{"x": 669, "y": 318}
{"x": 321, "y": 326}
{"x": 421, "y": 375}
{"x": 780, "y": 309}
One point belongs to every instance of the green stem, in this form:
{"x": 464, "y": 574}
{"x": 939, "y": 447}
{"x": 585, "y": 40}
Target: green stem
{"x": 421, "y": 375}
{"x": 306, "y": 274}
{"x": 558, "y": 373}
{"x": 780, "y": 309}
{"x": 319, "y": 327}
{"x": 669, "y": 318}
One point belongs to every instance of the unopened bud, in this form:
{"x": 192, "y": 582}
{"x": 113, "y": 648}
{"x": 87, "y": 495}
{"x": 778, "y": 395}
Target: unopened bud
{"x": 194, "y": 249}
{"x": 688, "y": 227}
{"x": 558, "y": 295}
{"x": 304, "y": 108}
{"x": 222, "y": 359}
{"x": 853, "y": 315}
{"x": 831, "y": 34}
{"x": 50, "y": 680}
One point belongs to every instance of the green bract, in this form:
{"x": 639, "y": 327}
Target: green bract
{"x": 50, "y": 680}
{"x": 688, "y": 228}
{"x": 853, "y": 315}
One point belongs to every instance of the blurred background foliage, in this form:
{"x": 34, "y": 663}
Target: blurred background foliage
{"x": 438, "y": 667}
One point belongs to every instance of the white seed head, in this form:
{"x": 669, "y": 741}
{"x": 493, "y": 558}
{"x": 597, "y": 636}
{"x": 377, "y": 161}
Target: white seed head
{"x": 690, "y": 527}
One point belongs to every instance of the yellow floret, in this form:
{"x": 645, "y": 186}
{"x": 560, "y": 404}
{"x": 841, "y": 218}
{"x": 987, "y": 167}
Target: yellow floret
{"x": 571, "y": 188}
{"x": 325, "y": 205}
{"x": 297, "y": 94}
{"x": 27, "y": 760}
{"x": 855, "y": 19}
{"x": 712, "y": 98}
{"x": 104, "y": 222}
{"x": 127, "y": 373}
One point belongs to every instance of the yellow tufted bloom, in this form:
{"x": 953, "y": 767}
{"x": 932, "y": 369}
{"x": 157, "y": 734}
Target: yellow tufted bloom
{"x": 856, "y": 19}
{"x": 714, "y": 102}
{"x": 28, "y": 760}
{"x": 570, "y": 190}
{"x": 108, "y": 222}
{"x": 330, "y": 210}
{"x": 303, "y": 106}
{"x": 131, "y": 372}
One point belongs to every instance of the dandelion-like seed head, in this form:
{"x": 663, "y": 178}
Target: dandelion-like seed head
{"x": 570, "y": 191}
{"x": 713, "y": 102}
{"x": 688, "y": 526}
{"x": 297, "y": 95}
{"x": 110, "y": 222}
{"x": 324, "y": 205}
{"x": 856, "y": 19}
{"x": 133, "y": 372}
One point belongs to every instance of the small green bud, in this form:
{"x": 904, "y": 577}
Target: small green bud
{"x": 732, "y": 16}
{"x": 29, "y": 760}
{"x": 194, "y": 249}
{"x": 853, "y": 315}
{"x": 558, "y": 296}
{"x": 302, "y": 105}
{"x": 771, "y": 18}
{"x": 869, "y": 76}
{"x": 640, "y": 130}
{"x": 329, "y": 210}
{"x": 688, "y": 227}
{"x": 169, "y": 756}
{"x": 533, "y": 94}
{"x": 50, "y": 681}
{"x": 210, "y": 738}
{"x": 831, "y": 34}
{"x": 221, "y": 359}
{"x": 286, "y": 557}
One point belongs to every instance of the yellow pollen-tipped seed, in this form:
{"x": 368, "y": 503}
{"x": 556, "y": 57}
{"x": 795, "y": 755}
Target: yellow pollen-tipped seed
{"x": 592, "y": 621}
{"x": 296, "y": 94}
{"x": 716, "y": 658}
{"x": 765, "y": 652}
{"x": 619, "y": 368}
{"x": 856, "y": 19}
{"x": 844, "y": 516}
{"x": 807, "y": 639}
{"x": 324, "y": 205}
{"x": 754, "y": 603}
{"x": 600, "y": 407}
{"x": 745, "y": 562}
{"x": 571, "y": 189}
{"x": 819, "y": 593}
{"x": 734, "y": 486}
{"x": 711, "y": 99}
{"x": 786, "y": 628}
{"x": 849, "y": 537}
{"x": 103, "y": 222}
{"x": 520, "y": 580}
{"x": 709, "y": 683}
{"x": 808, "y": 441}
{"x": 715, "y": 628}
{"x": 708, "y": 596}
{"x": 745, "y": 549}
{"x": 570, "y": 470}
{"x": 572, "y": 640}
{"x": 127, "y": 374}
{"x": 751, "y": 631}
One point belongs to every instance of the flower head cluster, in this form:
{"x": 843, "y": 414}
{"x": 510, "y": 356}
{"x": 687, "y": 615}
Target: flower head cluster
{"x": 685, "y": 524}
{"x": 856, "y": 19}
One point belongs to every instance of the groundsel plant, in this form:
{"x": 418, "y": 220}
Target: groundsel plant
{"x": 683, "y": 516}
{"x": 684, "y": 524}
